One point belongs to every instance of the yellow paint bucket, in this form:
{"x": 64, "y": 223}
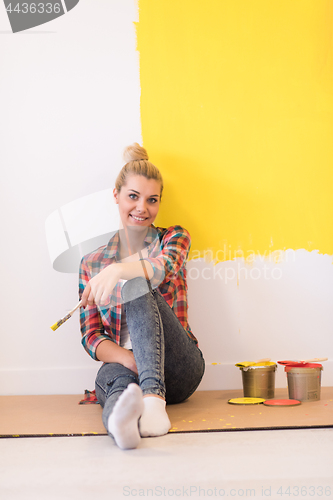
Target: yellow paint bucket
{"x": 259, "y": 380}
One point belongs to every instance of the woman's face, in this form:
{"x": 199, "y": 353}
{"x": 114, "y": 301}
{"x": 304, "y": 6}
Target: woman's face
{"x": 138, "y": 200}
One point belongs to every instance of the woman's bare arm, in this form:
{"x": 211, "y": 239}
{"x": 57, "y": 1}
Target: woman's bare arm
{"x": 109, "y": 352}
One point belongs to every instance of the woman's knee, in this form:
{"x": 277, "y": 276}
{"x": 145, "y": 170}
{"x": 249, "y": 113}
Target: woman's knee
{"x": 134, "y": 288}
{"x": 112, "y": 375}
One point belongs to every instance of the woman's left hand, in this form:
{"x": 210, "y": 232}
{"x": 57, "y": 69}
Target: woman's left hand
{"x": 100, "y": 287}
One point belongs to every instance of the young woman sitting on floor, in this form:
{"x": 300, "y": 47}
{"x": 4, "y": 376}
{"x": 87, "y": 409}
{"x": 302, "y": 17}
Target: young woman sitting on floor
{"x": 134, "y": 311}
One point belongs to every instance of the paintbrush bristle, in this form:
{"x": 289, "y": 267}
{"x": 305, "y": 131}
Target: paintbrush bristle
{"x": 60, "y": 322}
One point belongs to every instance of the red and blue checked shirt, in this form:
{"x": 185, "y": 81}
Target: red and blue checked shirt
{"x": 168, "y": 250}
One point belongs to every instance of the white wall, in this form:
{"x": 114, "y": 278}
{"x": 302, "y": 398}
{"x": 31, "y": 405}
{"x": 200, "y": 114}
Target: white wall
{"x": 70, "y": 102}
{"x": 280, "y": 310}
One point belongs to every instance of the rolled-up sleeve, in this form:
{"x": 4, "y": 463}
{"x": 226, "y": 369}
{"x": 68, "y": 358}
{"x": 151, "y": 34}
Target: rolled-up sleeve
{"x": 174, "y": 250}
{"x": 92, "y": 328}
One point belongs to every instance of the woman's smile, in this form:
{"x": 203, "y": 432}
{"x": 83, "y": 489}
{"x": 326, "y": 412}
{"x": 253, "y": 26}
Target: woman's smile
{"x": 140, "y": 219}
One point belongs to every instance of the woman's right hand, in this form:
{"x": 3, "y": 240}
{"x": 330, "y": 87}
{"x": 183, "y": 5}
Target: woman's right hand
{"x": 129, "y": 361}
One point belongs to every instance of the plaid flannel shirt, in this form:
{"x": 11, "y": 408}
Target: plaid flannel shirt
{"x": 168, "y": 250}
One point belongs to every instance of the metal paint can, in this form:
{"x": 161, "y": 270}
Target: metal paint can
{"x": 259, "y": 381}
{"x": 304, "y": 382}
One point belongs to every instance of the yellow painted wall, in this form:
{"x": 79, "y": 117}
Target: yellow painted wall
{"x": 237, "y": 112}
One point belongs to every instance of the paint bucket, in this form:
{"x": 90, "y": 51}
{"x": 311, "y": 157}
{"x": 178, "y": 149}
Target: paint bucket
{"x": 304, "y": 382}
{"x": 259, "y": 381}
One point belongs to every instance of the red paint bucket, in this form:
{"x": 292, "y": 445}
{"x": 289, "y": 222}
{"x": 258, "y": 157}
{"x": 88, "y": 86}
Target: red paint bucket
{"x": 304, "y": 380}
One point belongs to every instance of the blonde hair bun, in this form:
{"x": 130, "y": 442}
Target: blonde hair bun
{"x": 135, "y": 152}
{"x": 136, "y": 163}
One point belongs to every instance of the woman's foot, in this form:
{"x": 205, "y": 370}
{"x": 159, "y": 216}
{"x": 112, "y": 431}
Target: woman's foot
{"x": 154, "y": 420}
{"x": 123, "y": 421}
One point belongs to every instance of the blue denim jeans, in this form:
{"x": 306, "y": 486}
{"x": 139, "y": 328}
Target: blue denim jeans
{"x": 169, "y": 362}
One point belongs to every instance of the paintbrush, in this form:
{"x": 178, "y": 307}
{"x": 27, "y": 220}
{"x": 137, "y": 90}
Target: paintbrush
{"x": 65, "y": 318}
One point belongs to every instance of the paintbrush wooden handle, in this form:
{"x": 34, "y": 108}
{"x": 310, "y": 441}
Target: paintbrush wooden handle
{"x": 76, "y": 307}
{"x": 313, "y": 360}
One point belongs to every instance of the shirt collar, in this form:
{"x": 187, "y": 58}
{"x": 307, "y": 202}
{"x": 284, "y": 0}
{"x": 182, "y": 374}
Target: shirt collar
{"x": 112, "y": 247}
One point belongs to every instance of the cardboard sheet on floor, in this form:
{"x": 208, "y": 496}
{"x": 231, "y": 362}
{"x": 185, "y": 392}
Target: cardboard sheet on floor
{"x": 61, "y": 415}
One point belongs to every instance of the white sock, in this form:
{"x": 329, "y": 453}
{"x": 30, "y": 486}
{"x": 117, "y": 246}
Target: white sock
{"x": 123, "y": 421}
{"x": 154, "y": 420}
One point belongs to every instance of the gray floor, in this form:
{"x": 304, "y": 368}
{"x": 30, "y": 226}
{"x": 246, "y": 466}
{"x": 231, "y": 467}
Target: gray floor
{"x": 261, "y": 464}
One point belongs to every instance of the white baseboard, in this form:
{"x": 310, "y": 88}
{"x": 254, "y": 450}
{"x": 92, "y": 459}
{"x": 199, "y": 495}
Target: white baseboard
{"x": 222, "y": 376}
{"x": 48, "y": 381}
